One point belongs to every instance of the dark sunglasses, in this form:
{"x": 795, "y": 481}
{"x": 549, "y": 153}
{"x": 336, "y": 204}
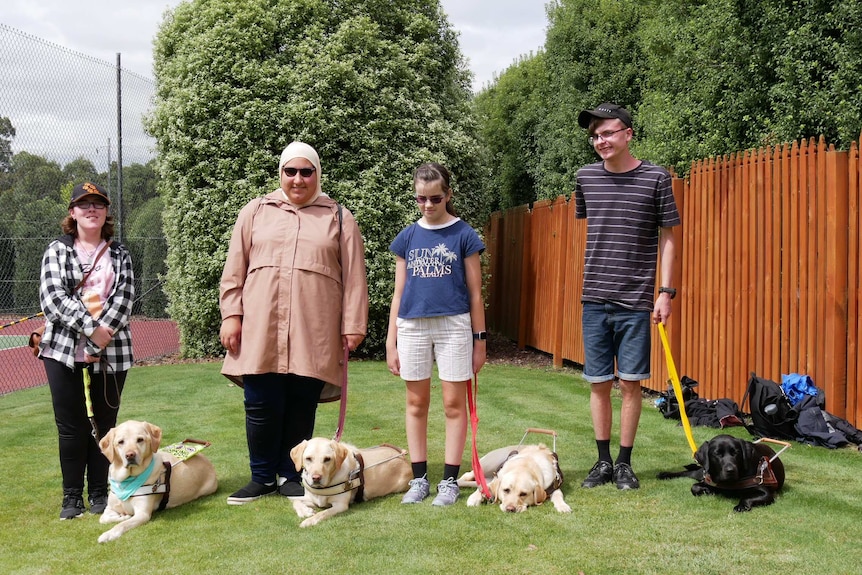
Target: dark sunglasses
{"x": 434, "y": 199}
{"x": 304, "y": 172}
{"x": 93, "y": 205}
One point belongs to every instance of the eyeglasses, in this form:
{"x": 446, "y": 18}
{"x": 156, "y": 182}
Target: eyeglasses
{"x": 434, "y": 199}
{"x": 304, "y": 172}
{"x": 604, "y": 135}
{"x": 91, "y": 205}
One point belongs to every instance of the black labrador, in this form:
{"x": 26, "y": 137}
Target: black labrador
{"x": 736, "y": 468}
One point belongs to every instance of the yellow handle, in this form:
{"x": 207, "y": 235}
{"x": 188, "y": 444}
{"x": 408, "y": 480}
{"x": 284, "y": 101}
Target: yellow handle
{"x": 677, "y": 387}
{"x": 87, "y": 400}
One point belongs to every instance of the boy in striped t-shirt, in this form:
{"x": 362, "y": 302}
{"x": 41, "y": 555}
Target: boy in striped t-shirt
{"x": 630, "y": 212}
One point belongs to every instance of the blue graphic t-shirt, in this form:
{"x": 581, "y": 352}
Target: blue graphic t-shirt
{"x": 436, "y": 280}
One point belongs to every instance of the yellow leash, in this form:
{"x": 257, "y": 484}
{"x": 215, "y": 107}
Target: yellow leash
{"x": 677, "y": 387}
{"x": 89, "y": 403}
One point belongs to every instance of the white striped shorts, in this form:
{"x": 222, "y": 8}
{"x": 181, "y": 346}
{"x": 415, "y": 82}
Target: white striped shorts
{"x": 446, "y": 339}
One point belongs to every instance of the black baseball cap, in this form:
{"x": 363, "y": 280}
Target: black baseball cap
{"x": 89, "y": 190}
{"x": 605, "y": 111}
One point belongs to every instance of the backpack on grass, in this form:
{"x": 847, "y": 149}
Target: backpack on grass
{"x": 772, "y": 415}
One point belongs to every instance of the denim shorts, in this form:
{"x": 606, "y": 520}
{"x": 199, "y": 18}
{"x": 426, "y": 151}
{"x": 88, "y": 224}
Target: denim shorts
{"x": 612, "y": 332}
{"x": 446, "y": 339}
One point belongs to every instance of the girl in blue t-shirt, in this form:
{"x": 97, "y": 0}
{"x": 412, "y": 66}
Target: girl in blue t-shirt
{"x": 437, "y": 313}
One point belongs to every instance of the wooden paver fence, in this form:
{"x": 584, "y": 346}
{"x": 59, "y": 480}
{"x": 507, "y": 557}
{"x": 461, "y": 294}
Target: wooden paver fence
{"x": 767, "y": 268}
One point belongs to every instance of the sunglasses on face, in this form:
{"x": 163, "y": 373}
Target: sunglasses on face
{"x": 434, "y": 199}
{"x": 304, "y": 172}
{"x": 93, "y": 205}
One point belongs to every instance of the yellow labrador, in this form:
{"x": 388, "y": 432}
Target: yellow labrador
{"x": 524, "y": 475}
{"x": 137, "y": 469}
{"x": 337, "y": 474}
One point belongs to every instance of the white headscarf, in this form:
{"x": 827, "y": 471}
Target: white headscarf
{"x": 302, "y": 150}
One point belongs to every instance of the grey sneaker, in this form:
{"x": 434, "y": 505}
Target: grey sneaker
{"x": 447, "y": 492}
{"x": 419, "y": 490}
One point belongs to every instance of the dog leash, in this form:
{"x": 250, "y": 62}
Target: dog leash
{"x": 677, "y": 387}
{"x": 17, "y": 321}
{"x": 474, "y": 423}
{"x": 342, "y": 410}
{"x": 89, "y": 403}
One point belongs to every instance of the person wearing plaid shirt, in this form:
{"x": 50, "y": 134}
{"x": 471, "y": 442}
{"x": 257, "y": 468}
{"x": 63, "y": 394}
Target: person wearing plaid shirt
{"x": 87, "y": 328}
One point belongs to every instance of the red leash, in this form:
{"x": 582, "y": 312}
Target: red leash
{"x": 474, "y": 423}
{"x": 342, "y": 411}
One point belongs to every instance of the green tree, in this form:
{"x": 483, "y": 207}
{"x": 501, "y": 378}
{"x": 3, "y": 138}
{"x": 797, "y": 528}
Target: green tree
{"x": 7, "y": 132}
{"x": 376, "y": 87}
{"x": 510, "y": 114}
{"x": 592, "y": 56}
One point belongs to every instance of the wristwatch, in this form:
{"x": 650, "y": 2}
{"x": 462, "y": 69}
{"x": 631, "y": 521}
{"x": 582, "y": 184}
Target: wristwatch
{"x": 480, "y": 335}
{"x": 667, "y": 290}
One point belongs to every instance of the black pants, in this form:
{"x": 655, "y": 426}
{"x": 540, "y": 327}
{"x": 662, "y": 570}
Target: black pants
{"x": 279, "y": 413}
{"x": 79, "y": 450}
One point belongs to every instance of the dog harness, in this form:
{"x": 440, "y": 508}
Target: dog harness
{"x": 764, "y": 476}
{"x": 558, "y": 474}
{"x": 132, "y": 486}
{"x": 356, "y": 480}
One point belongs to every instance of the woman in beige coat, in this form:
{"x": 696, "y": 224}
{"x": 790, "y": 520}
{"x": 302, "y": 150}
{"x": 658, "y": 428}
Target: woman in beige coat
{"x": 293, "y": 296}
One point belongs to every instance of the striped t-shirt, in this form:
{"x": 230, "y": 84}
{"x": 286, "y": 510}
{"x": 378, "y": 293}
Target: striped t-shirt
{"x": 624, "y": 213}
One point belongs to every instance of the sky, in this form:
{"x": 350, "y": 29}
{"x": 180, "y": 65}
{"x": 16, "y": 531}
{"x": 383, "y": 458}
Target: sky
{"x": 493, "y": 33}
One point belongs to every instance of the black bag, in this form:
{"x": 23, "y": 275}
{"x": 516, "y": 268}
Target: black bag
{"x": 667, "y": 403}
{"x": 771, "y": 413}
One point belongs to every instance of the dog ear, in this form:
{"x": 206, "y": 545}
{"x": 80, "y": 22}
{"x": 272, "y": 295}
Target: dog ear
{"x": 341, "y": 453}
{"x": 296, "y": 454}
{"x": 494, "y": 488}
{"x": 702, "y": 456}
{"x": 748, "y": 459}
{"x": 155, "y": 433}
{"x": 106, "y": 446}
{"x": 540, "y": 494}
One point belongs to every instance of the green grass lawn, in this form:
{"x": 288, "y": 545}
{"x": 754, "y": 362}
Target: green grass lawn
{"x": 661, "y": 528}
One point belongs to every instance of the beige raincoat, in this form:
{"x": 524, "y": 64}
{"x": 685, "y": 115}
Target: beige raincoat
{"x": 299, "y": 284}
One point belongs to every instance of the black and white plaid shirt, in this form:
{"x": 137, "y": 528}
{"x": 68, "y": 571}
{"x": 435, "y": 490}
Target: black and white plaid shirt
{"x": 68, "y": 317}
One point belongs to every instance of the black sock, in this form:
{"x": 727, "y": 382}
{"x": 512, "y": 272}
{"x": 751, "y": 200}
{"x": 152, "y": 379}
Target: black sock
{"x": 604, "y": 446}
{"x": 625, "y": 455}
{"x": 451, "y": 471}
{"x": 420, "y": 469}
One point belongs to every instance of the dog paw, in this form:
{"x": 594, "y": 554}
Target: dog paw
{"x": 742, "y": 507}
{"x": 475, "y": 500}
{"x": 563, "y": 508}
{"x": 302, "y": 510}
{"x": 310, "y": 522}
{"x": 109, "y": 535}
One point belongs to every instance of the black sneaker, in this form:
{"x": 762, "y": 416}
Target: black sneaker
{"x": 98, "y": 501}
{"x": 624, "y": 477}
{"x": 73, "y": 504}
{"x": 251, "y": 492}
{"x": 291, "y": 489}
{"x": 601, "y": 473}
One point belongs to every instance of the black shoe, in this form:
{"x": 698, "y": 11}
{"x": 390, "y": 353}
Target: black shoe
{"x": 624, "y": 477}
{"x": 601, "y": 473}
{"x": 98, "y": 501}
{"x": 291, "y": 489}
{"x": 73, "y": 504}
{"x": 251, "y": 492}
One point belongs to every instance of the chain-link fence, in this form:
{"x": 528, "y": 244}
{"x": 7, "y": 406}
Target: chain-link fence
{"x": 64, "y": 118}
